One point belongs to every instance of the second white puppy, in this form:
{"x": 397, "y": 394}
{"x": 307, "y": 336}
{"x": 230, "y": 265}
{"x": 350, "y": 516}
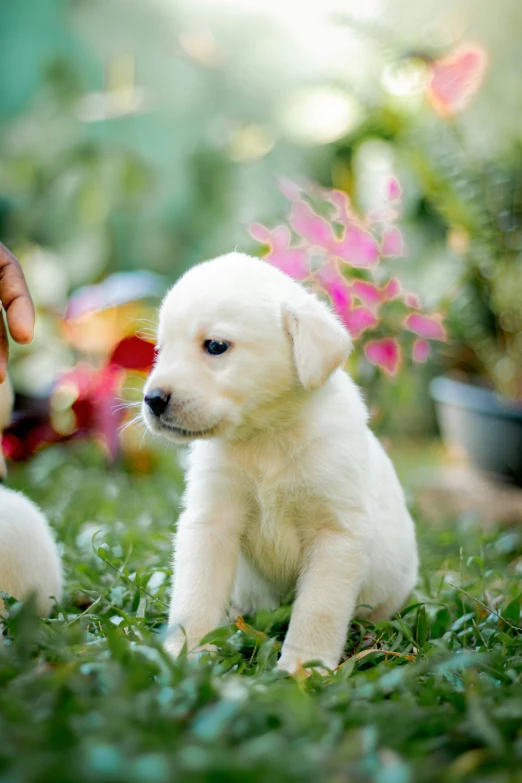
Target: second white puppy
{"x": 29, "y": 559}
{"x": 287, "y": 487}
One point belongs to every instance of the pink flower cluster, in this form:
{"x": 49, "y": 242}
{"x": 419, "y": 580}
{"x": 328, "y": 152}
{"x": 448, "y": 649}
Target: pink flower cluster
{"x": 339, "y": 254}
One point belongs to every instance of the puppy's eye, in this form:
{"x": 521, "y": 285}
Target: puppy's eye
{"x": 216, "y": 347}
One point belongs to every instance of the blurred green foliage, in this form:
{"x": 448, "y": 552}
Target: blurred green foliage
{"x": 118, "y": 147}
{"x": 139, "y": 135}
{"x": 90, "y": 694}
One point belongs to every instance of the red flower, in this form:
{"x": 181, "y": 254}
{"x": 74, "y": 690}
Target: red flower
{"x": 96, "y": 391}
{"x": 95, "y": 395}
{"x": 133, "y": 353}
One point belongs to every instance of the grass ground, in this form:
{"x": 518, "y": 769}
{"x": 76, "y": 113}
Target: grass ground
{"x": 433, "y": 695}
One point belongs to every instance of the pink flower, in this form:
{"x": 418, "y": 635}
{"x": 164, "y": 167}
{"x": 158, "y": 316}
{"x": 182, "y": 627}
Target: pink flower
{"x": 357, "y": 320}
{"x": 341, "y": 202}
{"x": 357, "y": 248}
{"x": 412, "y": 300}
{"x": 260, "y": 233}
{"x": 391, "y": 290}
{"x": 293, "y": 261}
{"x": 368, "y": 293}
{"x": 428, "y": 326}
{"x": 421, "y": 351}
{"x": 319, "y": 253}
{"x": 374, "y": 297}
{"x": 385, "y": 353}
{"x": 392, "y": 189}
{"x": 392, "y": 242}
{"x": 310, "y": 226}
{"x": 331, "y": 280}
{"x": 456, "y": 78}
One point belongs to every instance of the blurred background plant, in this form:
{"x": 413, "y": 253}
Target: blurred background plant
{"x": 339, "y": 254}
{"x": 374, "y": 151}
{"x": 486, "y": 316}
{"x": 151, "y": 136}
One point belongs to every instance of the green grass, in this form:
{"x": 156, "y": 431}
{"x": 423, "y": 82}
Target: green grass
{"x": 89, "y": 695}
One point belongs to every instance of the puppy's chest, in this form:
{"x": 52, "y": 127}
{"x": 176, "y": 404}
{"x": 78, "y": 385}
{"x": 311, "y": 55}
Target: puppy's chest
{"x": 273, "y": 539}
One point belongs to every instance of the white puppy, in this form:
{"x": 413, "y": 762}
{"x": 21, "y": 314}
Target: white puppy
{"x": 29, "y": 560}
{"x": 287, "y": 487}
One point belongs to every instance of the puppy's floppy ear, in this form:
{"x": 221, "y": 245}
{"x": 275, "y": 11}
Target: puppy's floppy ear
{"x": 320, "y": 343}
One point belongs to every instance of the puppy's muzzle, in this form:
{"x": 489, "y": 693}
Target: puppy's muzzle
{"x": 157, "y": 401}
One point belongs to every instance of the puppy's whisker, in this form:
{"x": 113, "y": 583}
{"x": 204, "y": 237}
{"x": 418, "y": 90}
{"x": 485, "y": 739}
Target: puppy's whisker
{"x": 134, "y": 420}
{"x": 146, "y": 321}
{"x": 145, "y": 431}
{"x": 149, "y": 326}
{"x": 125, "y": 406}
{"x": 142, "y": 321}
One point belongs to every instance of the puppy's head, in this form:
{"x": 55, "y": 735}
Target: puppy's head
{"x": 6, "y": 406}
{"x": 236, "y": 336}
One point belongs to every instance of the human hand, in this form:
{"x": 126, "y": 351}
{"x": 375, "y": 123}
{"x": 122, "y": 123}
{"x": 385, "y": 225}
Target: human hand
{"x": 16, "y": 301}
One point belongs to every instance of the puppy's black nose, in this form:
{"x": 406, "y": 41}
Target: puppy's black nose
{"x": 157, "y": 401}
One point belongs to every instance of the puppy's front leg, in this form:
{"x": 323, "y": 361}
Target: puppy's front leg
{"x": 326, "y": 598}
{"x": 205, "y": 559}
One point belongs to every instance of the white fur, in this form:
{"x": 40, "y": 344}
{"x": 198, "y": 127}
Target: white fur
{"x": 287, "y": 488}
{"x": 29, "y": 560}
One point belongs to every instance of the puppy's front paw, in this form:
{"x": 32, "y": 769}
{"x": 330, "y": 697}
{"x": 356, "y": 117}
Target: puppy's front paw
{"x": 289, "y": 664}
{"x": 292, "y": 662}
{"x": 234, "y": 611}
{"x": 176, "y": 641}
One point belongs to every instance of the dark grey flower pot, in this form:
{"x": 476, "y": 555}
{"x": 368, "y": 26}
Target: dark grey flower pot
{"x": 486, "y": 425}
